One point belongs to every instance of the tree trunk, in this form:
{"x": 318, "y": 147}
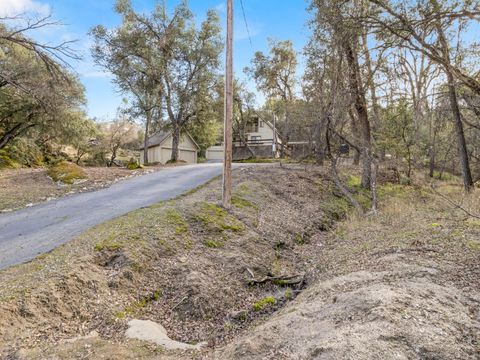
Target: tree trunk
{"x": 356, "y": 157}
{"x": 145, "y": 142}
{"x": 461, "y": 143}
{"x": 360, "y": 104}
{"x": 175, "y": 142}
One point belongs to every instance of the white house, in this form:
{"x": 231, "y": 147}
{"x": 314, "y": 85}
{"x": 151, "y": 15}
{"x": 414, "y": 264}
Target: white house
{"x": 258, "y": 137}
{"x": 160, "y": 148}
{"x": 258, "y": 132}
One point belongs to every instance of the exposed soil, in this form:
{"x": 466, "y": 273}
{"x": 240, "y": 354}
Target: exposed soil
{"x": 401, "y": 285}
{"x": 29, "y": 186}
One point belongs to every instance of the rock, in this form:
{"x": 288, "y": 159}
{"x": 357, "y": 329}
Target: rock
{"x": 94, "y": 334}
{"x": 240, "y": 315}
{"x": 150, "y": 331}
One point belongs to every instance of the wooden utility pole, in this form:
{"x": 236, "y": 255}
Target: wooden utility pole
{"x": 228, "y": 115}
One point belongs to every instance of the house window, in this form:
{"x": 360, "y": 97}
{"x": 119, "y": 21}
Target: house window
{"x": 256, "y": 139}
{"x": 260, "y": 123}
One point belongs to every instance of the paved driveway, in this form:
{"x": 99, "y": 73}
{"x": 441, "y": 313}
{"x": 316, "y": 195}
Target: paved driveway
{"x": 26, "y": 233}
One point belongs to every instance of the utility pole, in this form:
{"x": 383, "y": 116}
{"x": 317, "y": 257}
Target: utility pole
{"x": 228, "y": 115}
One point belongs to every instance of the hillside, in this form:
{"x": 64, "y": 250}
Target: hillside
{"x": 290, "y": 272}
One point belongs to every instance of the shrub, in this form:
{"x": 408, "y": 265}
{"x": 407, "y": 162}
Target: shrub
{"x": 6, "y": 162}
{"x": 133, "y": 164}
{"x": 66, "y": 172}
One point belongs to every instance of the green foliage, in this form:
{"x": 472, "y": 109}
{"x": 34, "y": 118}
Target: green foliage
{"x": 6, "y": 162}
{"x": 145, "y": 62}
{"x": 263, "y": 303}
{"x": 139, "y": 305}
{"x": 42, "y": 105}
{"x": 66, "y": 172}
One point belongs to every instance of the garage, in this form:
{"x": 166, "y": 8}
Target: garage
{"x": 160, "y": 149}
{"x": 215, "y": 153}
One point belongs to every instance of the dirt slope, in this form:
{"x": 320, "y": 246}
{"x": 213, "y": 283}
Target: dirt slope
{"x": 403, "y": 285}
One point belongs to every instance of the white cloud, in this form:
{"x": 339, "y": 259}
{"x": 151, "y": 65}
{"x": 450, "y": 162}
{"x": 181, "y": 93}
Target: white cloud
{"x": 17, "y": 7}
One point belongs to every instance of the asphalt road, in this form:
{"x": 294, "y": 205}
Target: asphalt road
{"x": 26, "y": 233}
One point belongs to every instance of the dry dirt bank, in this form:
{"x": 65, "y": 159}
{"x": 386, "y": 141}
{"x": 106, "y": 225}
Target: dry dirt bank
{"x": 403, "y": 285}
{"x": 184, "y": 263}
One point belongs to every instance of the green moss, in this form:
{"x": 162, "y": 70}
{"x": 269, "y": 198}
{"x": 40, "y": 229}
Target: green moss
{"x": 474, "y": 223}
{"x": 215, "y": 218}
{"x": 66, "y": 172}
{"x": 107, "y": 245}
{"x": 354, "y": 181}
{"x": 335, "y": 208}
{"x": 139, "y": 305}
{"x": 213, "y": 243}
{"x": 173, "y": 217}
{"x": 299, "y": 239}
{"x": 289, "y": 293}
{"x": 473, "y": 245}
{"x": 242, "y": 203}
{"x": 134, "y": 166}
{"x": 263, "y": 303}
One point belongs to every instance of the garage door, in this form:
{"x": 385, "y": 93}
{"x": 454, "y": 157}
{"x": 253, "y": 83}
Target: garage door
{"x": 215, "y": 153}
{"x": 190, "y": 156}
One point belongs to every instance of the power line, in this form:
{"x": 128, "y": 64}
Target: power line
{"x": 246, "y": 25}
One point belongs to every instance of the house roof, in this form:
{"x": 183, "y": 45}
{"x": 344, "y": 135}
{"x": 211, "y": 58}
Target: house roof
{"x": 158, "y": 138}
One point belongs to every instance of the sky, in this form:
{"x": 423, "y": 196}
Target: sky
{"x": 277, "y": 19}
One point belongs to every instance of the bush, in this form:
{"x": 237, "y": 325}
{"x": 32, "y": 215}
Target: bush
{"x": 6, "y": 162}
{"x": 66, "y": 172}
{"x": 133, "y": 165}
{"x": 21, "y": 152}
